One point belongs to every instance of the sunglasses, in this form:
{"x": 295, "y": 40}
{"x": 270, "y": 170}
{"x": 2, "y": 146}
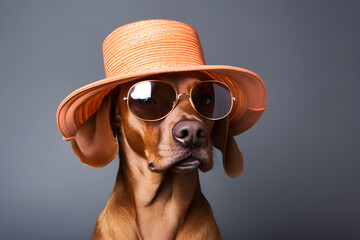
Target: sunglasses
{"x": 153, "y": 100}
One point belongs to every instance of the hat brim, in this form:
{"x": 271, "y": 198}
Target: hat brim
{"x": 247, "y": 87}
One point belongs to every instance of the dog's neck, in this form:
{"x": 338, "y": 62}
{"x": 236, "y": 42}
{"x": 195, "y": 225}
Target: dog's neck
{"x": 160, "y": 201}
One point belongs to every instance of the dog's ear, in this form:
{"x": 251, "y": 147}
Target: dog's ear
{"x": 225, "y": 142}
{"x": 94, "y": 143}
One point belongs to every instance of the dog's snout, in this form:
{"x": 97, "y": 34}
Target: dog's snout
{"x": 190, "y": 133}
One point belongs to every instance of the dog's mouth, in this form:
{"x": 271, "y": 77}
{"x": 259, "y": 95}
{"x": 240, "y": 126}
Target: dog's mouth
{"x": 186, "y": 164}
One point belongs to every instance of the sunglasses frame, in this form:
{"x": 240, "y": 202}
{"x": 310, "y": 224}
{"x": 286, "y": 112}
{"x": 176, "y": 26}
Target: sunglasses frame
{"x": 178, "y": 95}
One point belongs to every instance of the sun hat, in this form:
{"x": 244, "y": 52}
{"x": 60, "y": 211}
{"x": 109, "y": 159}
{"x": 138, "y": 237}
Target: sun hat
{"x": 149, "y": 47}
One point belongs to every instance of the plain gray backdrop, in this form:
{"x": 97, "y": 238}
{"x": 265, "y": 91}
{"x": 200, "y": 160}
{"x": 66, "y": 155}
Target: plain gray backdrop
{"x": 302, "y": 159}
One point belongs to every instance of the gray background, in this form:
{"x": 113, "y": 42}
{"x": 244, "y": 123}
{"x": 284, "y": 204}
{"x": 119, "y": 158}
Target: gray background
{"x": 301, "y": 178}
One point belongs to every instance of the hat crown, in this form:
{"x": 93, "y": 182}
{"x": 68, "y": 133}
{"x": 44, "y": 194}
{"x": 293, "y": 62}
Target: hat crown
{"x": 150, "y": 45}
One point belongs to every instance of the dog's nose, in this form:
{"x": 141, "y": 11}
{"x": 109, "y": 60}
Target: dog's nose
{"x": 190, "y": 133}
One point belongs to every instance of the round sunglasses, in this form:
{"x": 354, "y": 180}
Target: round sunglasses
{"x": 153, "y": 100}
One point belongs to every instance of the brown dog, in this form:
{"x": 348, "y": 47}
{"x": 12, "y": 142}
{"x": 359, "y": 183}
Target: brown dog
{"x": 162, "y": 139}
{"x": 157, "y": 193}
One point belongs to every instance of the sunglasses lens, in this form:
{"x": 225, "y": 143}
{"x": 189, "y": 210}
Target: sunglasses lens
{"x": 212, "y": 99}
{"x": 151, "y": 100}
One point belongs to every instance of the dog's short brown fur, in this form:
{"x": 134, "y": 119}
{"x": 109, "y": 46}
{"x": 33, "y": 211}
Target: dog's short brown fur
{"x": 154, "y": 202}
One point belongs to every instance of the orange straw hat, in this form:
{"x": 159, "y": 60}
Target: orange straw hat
{"x": 150, "y": 47}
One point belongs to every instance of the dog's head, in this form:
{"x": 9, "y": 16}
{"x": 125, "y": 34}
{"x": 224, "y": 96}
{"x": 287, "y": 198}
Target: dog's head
{"x": 182, "y": 141}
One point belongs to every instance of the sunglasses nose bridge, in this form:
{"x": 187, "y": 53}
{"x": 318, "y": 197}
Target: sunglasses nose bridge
{"x": 182, "y": 94}
{"x": 185, "y": 96}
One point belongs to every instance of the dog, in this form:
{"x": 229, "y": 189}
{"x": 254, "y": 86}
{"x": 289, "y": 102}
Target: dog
{"x": 157, "y": 194}
{"x": 162, "y": 110}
